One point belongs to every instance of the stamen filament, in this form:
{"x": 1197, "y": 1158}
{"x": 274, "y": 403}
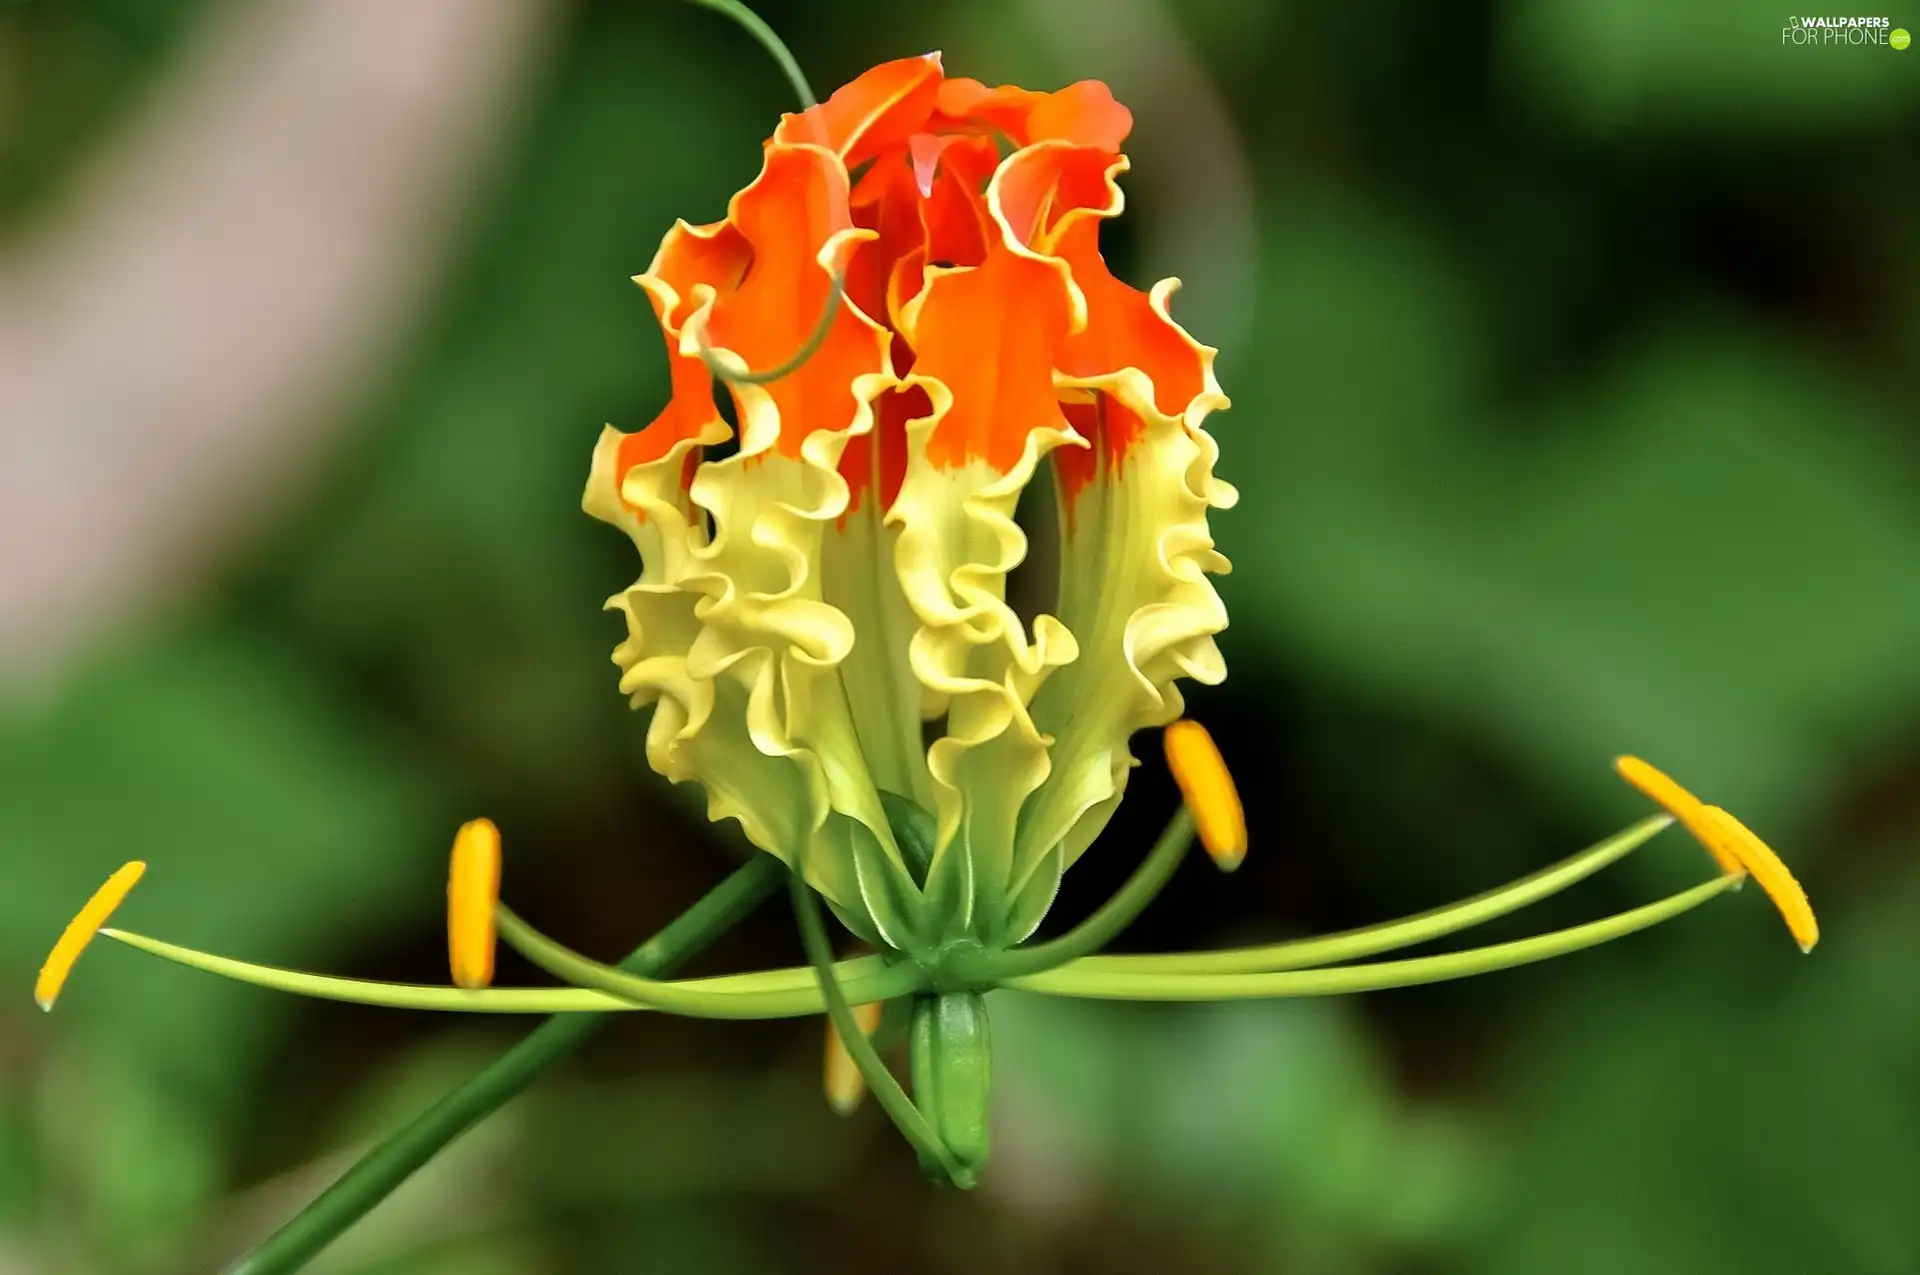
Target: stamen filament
{"x": 1389, "y": 936}
{"x": 697, "y": 998}
{"x": 1074, "y": 980}
{"x": 1104, "y": 925}
{"x": 840, "y": 1075}
{"x": 795, "y": 987}
{"x": 893, "y": 1099}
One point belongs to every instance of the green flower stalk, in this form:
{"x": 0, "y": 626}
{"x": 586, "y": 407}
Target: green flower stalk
{"x": 820, "y": 621}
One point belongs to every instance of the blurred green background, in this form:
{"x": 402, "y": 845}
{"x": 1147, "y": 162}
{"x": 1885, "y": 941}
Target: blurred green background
{"x": 1572, "y": 346}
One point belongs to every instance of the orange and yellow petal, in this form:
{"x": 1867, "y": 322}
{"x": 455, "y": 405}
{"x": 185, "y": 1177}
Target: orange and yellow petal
{"x": 797, "y": 217}
{"x": 1083, "y": 114}
{"x": 80, "y": 931}
{"x": 878, "y": 109}
{"x": 987, "y": 334}
{"x": 964, "y": 104}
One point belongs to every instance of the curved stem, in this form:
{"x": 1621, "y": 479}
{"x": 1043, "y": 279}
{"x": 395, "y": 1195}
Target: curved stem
{"x": 880, "y": 1079}
{"x": 1105, "y": 924}
{"x": 398, "y": 1156}
{"x": 1392, "y": 935}
{"x": 741, "y": 375}
{"x": 699, "y": 998}
{"x": 1073, "y": 980}
{"x": 756, "y": 27}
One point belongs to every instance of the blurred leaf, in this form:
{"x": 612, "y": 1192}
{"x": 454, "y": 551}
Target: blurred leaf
{"x": 1730, "y": 1116}
{"x": 460, "y": 560}
{"x": 1694, "y": 557}
{"x": 1278, "y": 1113}
{"x": 1721, "y": 65}
{"x": 68, "y": 73}
{"x": 131, "y": 1160}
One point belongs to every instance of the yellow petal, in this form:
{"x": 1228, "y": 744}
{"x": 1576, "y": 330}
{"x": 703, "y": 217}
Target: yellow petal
{"x": 844, "y": 1084}
{"x": 1774, "y": 877}
{"x": 1136, "y": 550}
{"x": 1693, "y": 815}
{"x": 80, "y": 932}
{"x": 972, "y": 655}
{"x": 1208, "y": 788}
{"x": 729, "y": 631}
{"x": 473, "y": 891}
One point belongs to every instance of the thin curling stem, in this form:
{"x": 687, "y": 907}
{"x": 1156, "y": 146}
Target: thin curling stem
{"x": 700, "y": 998}
{"x": 381, "y": 1171}
{"x": 739, "y": 374}
{"x": 756, "y": 27}
{"x": 1104, "y": 925}
{"x": 1072, "y": 980}
{"x": 880, "y": 1080}
{"x": 1390, "y": 936}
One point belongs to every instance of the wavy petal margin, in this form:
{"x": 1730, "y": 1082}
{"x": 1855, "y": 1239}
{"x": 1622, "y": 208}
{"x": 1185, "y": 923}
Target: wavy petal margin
{"x": 985, "y": 340}
{"x": 728, "y": 630}
{"x": 808, "y": 602}
{"x": 1136, "y": 547}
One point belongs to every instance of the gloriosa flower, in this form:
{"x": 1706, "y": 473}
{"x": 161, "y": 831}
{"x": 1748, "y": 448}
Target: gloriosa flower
{"x": 817, "y": 604}
{"x": 823, "y": 626}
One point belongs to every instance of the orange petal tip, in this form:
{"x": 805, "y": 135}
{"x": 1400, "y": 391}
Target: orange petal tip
{"x": 473, "y": 892}
{"x": 1208, "y": 789}
{"x": 80, "y": 931}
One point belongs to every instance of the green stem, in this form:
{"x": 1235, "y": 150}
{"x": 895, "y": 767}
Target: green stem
{"x": 880, "y": 1080}
{"x": 698, "y": 998}
{"x": 739, "y": 374}
{"x": 380, "y": 1171}
{"x": 757, "y": 28}
{"x": 1392, "y": 935}
{"x": 384, "y": 1168}
{"x": 1073, "y": 980}
{"x": 1104, "y": 925}
{"x": 771, "y": 42}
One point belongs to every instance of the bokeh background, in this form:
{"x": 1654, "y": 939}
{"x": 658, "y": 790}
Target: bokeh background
{"x": 1573, "y": 350}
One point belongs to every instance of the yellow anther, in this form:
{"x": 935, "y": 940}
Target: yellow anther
{"x": 473, "y": 890}
{"x": 80, "y": 932}
{"x": 1773, "y": 876}
{"x": 1692, "y": 813}
{"x": 1207, "y": 787}
{"x": 844, "y": 1086}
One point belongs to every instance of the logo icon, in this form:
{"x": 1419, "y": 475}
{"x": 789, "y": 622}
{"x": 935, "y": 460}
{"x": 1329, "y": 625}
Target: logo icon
{"x": 1899, "y": 38}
